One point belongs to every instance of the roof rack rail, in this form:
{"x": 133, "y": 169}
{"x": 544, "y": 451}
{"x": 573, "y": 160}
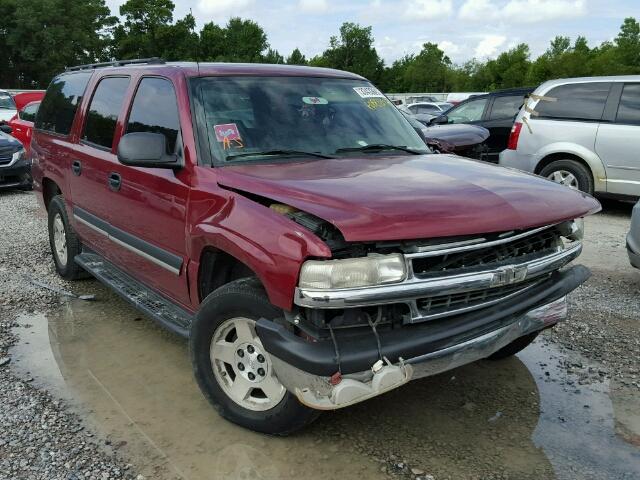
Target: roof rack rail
{"x": 118, "y": 63}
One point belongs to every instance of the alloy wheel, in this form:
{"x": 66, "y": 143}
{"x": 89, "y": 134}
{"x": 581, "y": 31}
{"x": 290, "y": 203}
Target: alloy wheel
{"x": 60, "y": 240}
{"x": 242, "y": 367}
{"x": 564, "y": 177}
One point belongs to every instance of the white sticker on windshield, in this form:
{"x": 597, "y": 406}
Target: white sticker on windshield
{"x": 368, "y": 92}
{"x": 315, "y": 100}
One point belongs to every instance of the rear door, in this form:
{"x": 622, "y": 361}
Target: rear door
{"x": 618, "y": 141}
{"x": 498, "y": 121}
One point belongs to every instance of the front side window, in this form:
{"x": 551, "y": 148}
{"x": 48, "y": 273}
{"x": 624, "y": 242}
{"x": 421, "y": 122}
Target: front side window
{"x": 263, "y": 118}
{"x": 578, "y": 101}
{"x": 629, "y": 108}
{"x": 155, "y": 109}
{"x": 467, "y": 112}
{"x": 28, "y": 113}
{"x": 58, "y": 108}
{"x": 506, "y": 107}
{"x": 103, "y": 111}
{"x": 6, "y": 101}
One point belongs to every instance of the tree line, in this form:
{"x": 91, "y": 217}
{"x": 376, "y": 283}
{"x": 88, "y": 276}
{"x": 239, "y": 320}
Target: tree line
{"x": 40, "y": 38}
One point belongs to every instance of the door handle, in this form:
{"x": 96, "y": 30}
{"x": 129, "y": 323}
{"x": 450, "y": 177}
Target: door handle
{"x": 76, "y": 167}
{"x": 115, "y": 181}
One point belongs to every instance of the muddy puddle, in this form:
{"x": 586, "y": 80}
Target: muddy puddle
{"x": 521, "y": 418}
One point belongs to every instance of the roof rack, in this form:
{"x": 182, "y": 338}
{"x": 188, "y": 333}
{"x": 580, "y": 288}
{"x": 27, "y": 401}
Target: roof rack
{"x": 118, "y": 63}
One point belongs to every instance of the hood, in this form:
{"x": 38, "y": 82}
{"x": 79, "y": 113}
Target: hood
{"x": 411, "y": 197}
{"x": 9, "y": 141}
{"x": 460, "y": 135}
{"x": 23, "y": 98}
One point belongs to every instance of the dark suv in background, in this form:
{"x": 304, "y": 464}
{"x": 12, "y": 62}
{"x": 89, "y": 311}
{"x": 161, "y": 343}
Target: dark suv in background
{"x": 495, "y": 111}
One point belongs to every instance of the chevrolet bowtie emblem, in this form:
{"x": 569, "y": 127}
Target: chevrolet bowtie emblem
{"x": 509, "y": 275}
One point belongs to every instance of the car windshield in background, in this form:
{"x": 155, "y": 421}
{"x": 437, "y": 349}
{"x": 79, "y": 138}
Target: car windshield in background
{"x": 6, "y": 101}
{"x": 258, "y": 118}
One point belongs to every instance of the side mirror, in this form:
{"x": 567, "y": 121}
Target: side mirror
{"x": 439, "y": 120}
{"x": 146, "y": 149}
{"x": 6, "y": 128}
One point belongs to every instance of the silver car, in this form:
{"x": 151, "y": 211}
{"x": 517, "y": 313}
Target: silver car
{"x": 633, "y": 238}
{"x": 581, "y": 132}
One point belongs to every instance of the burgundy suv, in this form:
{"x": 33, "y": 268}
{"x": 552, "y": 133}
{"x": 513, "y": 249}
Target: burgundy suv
{"x": 291, "y": 223}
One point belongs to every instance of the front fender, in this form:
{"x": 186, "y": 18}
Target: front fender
{"x": 589, "y": 156}
{"x": 272, "y": 245}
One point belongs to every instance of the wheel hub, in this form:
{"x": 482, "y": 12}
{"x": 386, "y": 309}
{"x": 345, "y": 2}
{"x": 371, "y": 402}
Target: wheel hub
{"x": 251, "y": 362}
{"x": 564, "y": 177}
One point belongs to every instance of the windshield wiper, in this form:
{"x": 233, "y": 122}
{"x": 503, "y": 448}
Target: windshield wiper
{"x": 278, "y": 152}
{"x": 376, "y": 147}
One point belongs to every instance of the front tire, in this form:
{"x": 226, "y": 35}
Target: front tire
{"x": 63, "y": 240}
{"x": 569, "y": 173}
{"x": 233, "y": 369}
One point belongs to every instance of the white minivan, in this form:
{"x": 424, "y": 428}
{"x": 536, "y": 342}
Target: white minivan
{"x": 581, "y": 132}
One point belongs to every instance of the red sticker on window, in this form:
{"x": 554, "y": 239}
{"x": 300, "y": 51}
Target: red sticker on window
{"x": 226, "y": 132}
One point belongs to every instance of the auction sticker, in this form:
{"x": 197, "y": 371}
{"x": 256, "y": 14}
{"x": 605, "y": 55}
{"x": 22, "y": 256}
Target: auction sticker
{"x": 368, "y": 92}
{"x": 226, "y": 132}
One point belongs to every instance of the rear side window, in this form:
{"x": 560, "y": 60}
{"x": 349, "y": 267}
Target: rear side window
{"x": 468, "y": 112}
{"x": 629, "y": 108}
{"x": 155, "y": 109}
{"x": 28, "y": 113}
{"x": 104, "y": 109}
{"x": 506, "y": 107}
{"x": 579, "y": 101}
{"x": 58, "y": 108}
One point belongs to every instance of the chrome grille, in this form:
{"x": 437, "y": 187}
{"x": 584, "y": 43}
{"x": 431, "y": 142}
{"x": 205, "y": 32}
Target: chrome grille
{"x": 524, "y": 248}
{"x": 445, "y": 305}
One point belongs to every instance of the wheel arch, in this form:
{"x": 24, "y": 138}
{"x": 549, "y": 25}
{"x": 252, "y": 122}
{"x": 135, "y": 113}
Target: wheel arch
{"x": 49, "y": 190}
{"x": 579, "y": 154}
{"x": 217, "y": 268}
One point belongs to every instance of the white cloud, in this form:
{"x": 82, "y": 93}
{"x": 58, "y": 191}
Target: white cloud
{"x": 489, "y": 45}
{"x": 314, "y": 6}
{"x": 448, "y": 47}
{"x": 521, "y": 11}
{"x": 428, "y": 9}
{"x": 534, "y": 11}
{"x": 223, "y": 7}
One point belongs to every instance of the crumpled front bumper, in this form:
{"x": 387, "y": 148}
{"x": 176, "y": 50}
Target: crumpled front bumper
{"x": 322, "y": 394}
{"x": 329, "y": 374}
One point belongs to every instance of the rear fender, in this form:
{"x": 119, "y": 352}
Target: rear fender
{"x": 588, "y": 156}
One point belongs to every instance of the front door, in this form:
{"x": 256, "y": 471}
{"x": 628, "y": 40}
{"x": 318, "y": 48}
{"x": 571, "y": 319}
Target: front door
{"x": 618, "y": 144}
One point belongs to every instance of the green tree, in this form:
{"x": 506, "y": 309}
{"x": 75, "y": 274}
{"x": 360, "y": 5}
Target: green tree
{"x": 138, "y": 36}
{"x": 628, "y": 43}
{"x": 178, "y": 41}
{"x": 296, "y": 58}
{"x": 428, "y": 71}
{"x": 244, "y": 41}
{"x": 42, "y": 37}
{"x": 353, "y": 51}
{"x": 273, "y": 56}
{"x": 212, "y": 42}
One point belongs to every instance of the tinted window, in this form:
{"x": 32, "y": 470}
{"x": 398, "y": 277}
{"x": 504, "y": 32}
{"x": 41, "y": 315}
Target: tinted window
{"x": 29, "y": 112}
{"x": 58, "y": 108}
{"x": 580, "y": 101}
{"x": 629, "y": 109}
{"x": 104, "y": 110}
{"x": 506, "y": 107}
{"x": 155, "y": 109}
{"x": 467, "y": 112}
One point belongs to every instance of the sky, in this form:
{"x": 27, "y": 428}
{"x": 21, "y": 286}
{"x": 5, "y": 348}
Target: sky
{"x": 464, "y": 29}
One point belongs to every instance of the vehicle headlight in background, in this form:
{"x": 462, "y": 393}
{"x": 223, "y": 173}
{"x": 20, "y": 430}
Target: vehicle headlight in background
{"x": 573, "y": 229}
{"x": 19, "y": 155}
{"x": 353, "y": 272}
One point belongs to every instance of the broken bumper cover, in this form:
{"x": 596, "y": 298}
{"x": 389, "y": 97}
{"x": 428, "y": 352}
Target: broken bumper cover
{"x": 413, "y": 351}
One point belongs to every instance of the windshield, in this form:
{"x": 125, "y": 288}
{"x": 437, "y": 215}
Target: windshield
{"x": 6, "y": 101}
{"x": 258, "y": 118}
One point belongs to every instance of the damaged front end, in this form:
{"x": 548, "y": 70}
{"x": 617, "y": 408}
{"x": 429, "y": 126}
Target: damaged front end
{"x": 380, "y": 314}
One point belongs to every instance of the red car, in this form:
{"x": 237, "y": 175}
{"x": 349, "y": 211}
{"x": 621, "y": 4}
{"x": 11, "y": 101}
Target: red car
{"x": 294, "y": 226}
{"x": 22, "y": 124}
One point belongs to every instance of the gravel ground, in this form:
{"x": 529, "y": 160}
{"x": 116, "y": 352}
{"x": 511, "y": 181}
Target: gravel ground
{"x": 39, "y": 437}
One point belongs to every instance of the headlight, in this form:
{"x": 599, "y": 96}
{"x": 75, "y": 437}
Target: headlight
{"x": 19, "y": 155}
{"x": 573, "y": 230}
{"x": 353, "y": 272}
